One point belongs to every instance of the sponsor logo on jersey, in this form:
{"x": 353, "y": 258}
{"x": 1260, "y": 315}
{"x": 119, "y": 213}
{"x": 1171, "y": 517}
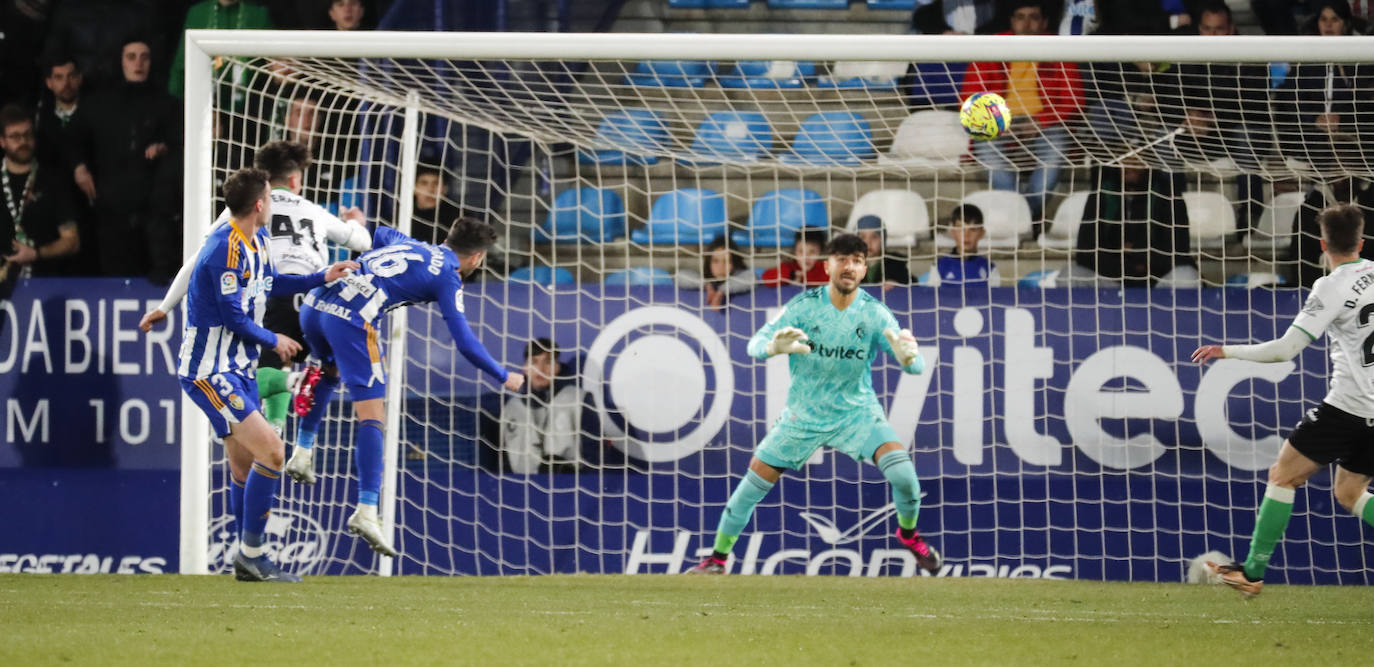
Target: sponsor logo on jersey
{"x": 228, "y": 283}
{"x": 834, "y": 352}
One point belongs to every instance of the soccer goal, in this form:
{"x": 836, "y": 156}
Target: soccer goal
{"x": 1059, "y": 431}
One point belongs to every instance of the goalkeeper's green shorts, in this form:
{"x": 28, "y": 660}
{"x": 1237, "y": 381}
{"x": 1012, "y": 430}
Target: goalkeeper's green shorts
{"x": 791, "y": 442}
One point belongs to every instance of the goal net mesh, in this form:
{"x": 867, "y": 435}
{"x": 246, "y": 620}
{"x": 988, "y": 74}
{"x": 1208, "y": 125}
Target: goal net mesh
{"x": 1059, "y": 429}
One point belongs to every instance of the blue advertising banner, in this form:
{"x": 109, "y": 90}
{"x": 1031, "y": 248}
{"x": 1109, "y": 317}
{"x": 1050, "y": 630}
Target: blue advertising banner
{"x": 1057, "y": 433}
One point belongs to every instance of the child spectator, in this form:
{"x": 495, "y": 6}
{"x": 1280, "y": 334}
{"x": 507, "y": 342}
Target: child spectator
{"x": 723, "y": 273}
{"x": 883, "y": 269}
{"x": 808, "y": 268}
{"x": 965, "y": 266}
{"x": 541, "y": 427}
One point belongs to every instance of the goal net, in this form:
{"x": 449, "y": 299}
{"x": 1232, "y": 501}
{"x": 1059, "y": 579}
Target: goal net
{"x": 1059, "y": 429}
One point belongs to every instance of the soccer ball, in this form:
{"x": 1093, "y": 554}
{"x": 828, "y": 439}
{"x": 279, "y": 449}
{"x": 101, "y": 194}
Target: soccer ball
{"x": 984, "y": 115}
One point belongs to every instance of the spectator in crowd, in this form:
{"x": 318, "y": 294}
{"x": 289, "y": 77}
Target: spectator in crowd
{"x": 883, "y": 268}
{"x": 1079, "y": 18}
{"x": 216, "y": 14}
{"x": 965, "y": 265}
{"x": 1303, "y": 265}
{"x": 1319, "y": 101}
{"x": 433, "y": 214}
{"x": 37, "y": 229}
{"x": 118, "y": 138}
{"x": 325, "y": 123}
{"x": 347, "y": 14}
{"x": 808, "y": 269}
{"x": 63, "y": 80}
{"x": 955, "y": 17}
{"x": 88, "y": 31}
{"x": 1135, "y": 103}
{"x": 541, "y": 427}
{"x": 723, "y": 273}
{"x": 1042, "y": 97}
{"x": 1356, "y": 24}
{"x": 1134, "y": 231}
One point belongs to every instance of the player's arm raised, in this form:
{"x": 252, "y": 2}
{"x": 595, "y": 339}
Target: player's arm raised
{"x": 1307, "y": 327}
{"x": 177, "y": 290}
{"x": 450, "y": 304}
{"x": 348, "y": 230}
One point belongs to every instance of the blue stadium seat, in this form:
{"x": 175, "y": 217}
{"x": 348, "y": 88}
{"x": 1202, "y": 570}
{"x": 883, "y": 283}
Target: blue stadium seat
{"x": 733, "y": 135}
{"x": 584, "y": 215}
{"x": 830, "y": 138}
{"x": 708, "y": 4}
{"x": 634, "y": 133}
{"x": 808, "y": 4}
{"x": 689, "y": 215}
{"x": 778, "y": 215}
{"x": 640, "y": 275}
{"x": 908, "y": 5}
{"x": 769, "y": 74}
{"x": 672, "y": 73}
{"x": 542, "y": 275}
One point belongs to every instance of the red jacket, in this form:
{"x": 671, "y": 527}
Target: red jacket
{"x": 1061, "y": 88}
{"x": 789, "y": 273}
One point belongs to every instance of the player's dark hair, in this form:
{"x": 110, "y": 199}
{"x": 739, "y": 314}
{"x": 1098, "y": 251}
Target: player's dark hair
{"x": 426, "y": 170}
{"x": 14, "y": 114}
{"x": 737, "y": 262}
{"x": 242, "y": 188}
{"x": 470, "y": 235}
{"x": 967, "y": 215}
{"x": 541, "y": 346}
{"x": 816, "y": 235}
{"x": 1215, "y": 7}
{"x": 847, "y": 244}
{"x": 1342, "y": 228}
{"x": 280, "y": 158}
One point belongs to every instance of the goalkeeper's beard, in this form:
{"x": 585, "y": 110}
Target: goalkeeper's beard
{"x": 835, "y": 284}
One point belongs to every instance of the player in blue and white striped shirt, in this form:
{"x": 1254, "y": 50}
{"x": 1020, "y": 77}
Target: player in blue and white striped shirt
{"x": 230, "y": 284}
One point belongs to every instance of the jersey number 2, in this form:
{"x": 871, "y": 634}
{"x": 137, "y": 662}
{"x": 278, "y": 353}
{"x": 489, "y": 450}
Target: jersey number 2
{"x": 1368, "y": 346}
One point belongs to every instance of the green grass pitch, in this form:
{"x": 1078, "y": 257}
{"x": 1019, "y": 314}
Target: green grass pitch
{"x": 671, "y": 620}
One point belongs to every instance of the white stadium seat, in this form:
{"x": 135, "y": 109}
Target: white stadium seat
{"x": 928, "y": 139}
{"x": 1210, "y": 218}
{"x": 1274, "y": 231}
{"x": 904, "y": 214}
{"x": 1063, "y": 231}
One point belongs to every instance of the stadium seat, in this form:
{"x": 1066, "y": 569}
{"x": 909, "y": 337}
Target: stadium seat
{"x": 904, "y": 214}
{"x": 672, "y": 73}
{"x": 929, "y": 139}
{"x": 869, "y": 74}
{"x": 1210, "y": 219}
{"x": 832, "y": 138}
{"x": 733, "y": 136}
{"x": 1006, "y": 217}
{"x": 584, "y": 215}
{"x": 906, "y": 5}
{"x": 639, "y": 275}
{"x": 708, "y": 4}
{"x": 777, "y": 216}
{"x": 634, "y": 135}
{"x": 937, "y": 84}
{"x": 1254, "y": 280}
{"x": 768, "y": 74}
{"x": 808, "y": 4}
{"x": 1063, "y": 230}
{"x": 1274, "y": 231}
{"x": 689, "y": 216}
{"x": 542, "y": 275}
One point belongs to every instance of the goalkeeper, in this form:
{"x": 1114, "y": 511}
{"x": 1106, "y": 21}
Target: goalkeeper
{"x": 833, "y": 334}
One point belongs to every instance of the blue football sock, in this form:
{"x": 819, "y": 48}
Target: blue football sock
{"x": 309, "y": 425}
{"x": 906, "y": 489}
{"x": 739, "y": 508}
{"x": 236, "y": 503}
{"x": 368, "y": 459}
{"x": 259, "y": 496}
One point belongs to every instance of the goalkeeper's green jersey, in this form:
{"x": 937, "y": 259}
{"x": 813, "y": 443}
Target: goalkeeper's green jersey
{"x": 834, "y": 381}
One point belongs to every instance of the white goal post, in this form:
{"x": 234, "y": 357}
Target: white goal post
{"x": 413, "y": 94}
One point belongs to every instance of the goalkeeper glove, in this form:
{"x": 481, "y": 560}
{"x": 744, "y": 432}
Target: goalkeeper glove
{"x": 788, "y": 340}
{"x": 903, "y": 345}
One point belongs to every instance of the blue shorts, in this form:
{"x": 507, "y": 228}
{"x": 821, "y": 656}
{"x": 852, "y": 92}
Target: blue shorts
{"x": 226, "y": 398}
{"x": 791, "y": 442}
{"x": 355, "y": 350}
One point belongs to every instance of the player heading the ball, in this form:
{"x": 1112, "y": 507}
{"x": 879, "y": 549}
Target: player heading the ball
{"x": 833, "y": 334}
{"x": 340, "y": 324}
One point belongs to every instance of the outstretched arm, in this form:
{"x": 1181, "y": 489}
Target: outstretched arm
{"x": 464, "y": 338}
{"x": 1279, "y": 349}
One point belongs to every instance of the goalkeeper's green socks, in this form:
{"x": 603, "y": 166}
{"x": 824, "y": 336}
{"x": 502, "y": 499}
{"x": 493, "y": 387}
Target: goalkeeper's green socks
{"x": 738, "y": 509}
{"x": 275, "y": 396}
{"x": 1364, "y": 508}
{"x": 906, "y": 489}
{"x": 1274, "y": 512}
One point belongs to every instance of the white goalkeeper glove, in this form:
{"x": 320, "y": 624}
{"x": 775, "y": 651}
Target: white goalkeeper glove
{"x": 788, "y": 340}
{"x": 903, "y": 345}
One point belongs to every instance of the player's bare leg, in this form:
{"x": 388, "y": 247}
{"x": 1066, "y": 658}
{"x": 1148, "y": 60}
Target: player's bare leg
{"x": 364, "y": 522}
{"x": 252, "y": 444}
{"x": 895, "y": 462}
{"x": 757, "y": 482}
{"x": 1352, "y": 492}
{"x": 1287, "y": 474}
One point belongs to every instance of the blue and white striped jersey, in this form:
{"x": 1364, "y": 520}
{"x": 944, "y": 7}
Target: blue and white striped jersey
{"x": 232, "y": 278}
{"x": 399, "y": 271}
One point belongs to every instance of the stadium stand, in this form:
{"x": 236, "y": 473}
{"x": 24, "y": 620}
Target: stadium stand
{"x": 777, "y": 215}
